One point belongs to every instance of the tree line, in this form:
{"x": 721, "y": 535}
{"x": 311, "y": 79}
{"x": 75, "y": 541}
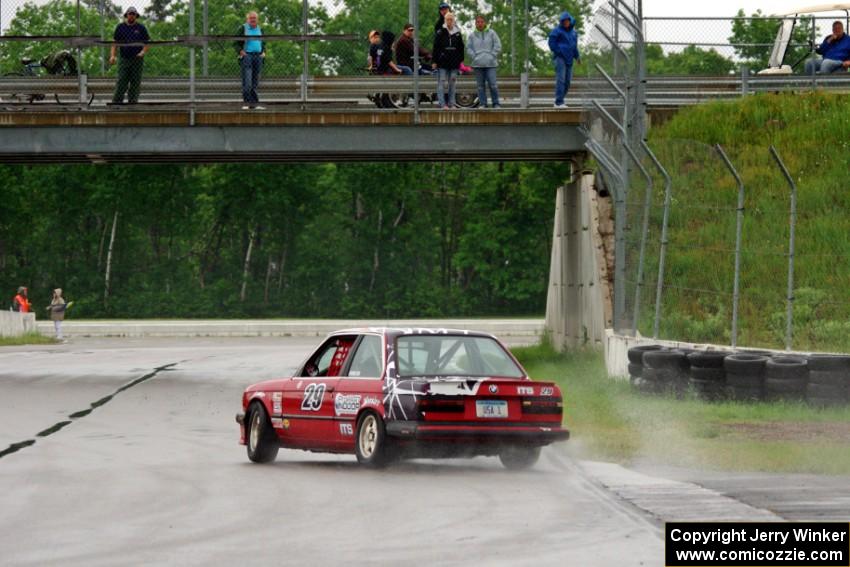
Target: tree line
{"x": 261, "y": 240}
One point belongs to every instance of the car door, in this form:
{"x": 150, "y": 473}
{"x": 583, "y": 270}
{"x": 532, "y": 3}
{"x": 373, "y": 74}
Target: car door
{"x": 361, "y": 387}
{"x": 308, "y": 406}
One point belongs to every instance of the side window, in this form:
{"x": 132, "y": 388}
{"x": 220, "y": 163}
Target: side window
{"x": 329, "y": 358}
{"x": 368, "y": 360}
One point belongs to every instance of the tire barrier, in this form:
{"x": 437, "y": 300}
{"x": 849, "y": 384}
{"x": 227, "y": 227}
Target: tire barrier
{"x": 822, "y": 380}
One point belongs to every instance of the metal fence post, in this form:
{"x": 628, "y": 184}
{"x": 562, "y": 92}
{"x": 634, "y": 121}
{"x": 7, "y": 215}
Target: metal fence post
{"x": 414, "y": 12}
{"x": 192, "y": 63}
{"x": 513, "y": 37}
{"x": 102, "y": 10}
{"x": 789, "y": 309}
{"x": 305, "y": 64}
{"x": 205, "y": 25}
{"x": 736, "y": 286}
{"x": 525, "y": 41}
{"x": 668, "y": 196}
{"x": 647, "y": 204}
{"x": 745, "y": 80}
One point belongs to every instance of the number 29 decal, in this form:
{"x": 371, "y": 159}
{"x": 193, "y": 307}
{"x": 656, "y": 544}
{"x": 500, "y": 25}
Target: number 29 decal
{"x": 313, "y": 396}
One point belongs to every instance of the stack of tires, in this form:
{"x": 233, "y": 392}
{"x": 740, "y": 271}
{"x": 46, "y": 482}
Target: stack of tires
{"x": 786, "y": 378}
{"x": 745, "y": 376}
{"x": 707, "y": 375}
{"x": 665, "y": 371}
{"x": 636, "y": 364}
{"x": 829, "y": 380}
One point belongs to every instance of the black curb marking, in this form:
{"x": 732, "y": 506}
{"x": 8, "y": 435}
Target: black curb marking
{"x": 15, "y": 447}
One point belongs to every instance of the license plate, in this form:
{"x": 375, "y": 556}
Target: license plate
{"x": 491, "y": 408}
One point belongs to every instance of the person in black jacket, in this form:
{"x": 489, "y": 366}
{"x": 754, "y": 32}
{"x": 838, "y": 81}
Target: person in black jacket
{"x": 447, "y": 56}
{"x": 444, "y": 9}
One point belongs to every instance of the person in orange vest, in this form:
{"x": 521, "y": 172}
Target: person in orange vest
{"x": 21, "y": 304}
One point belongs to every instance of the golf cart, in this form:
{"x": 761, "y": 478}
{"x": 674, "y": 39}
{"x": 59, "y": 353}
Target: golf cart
{"x": 776, "y": 63}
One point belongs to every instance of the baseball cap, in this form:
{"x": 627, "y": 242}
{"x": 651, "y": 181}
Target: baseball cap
{"x": 131, "y": 10}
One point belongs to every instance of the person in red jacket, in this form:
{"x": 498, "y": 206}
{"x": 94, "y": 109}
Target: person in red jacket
{"x": 21, "y": 303}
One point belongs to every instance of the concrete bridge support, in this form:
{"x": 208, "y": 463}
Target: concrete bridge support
{"x": 578, "y": 306}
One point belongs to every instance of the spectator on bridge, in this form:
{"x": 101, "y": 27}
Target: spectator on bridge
{"x": 447, "y": 57}
{"x": 381, "y": 55}
{"x": 441, "y": 20}
{"x": 835, "y": 50}
{"x": 251, "y": 53}
{"x": 563, "y": 43}
{"x": 131, "y": 62}
{"x": 57, "y": 310}
{"x": 404, "y": 51}
{"x": 21, "y": 303}
{"x": 484, "y": 48}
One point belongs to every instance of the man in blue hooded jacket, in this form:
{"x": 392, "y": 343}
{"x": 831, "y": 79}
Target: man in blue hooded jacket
{"x": 563, "y": 43}
{"x": 835, "y": 50}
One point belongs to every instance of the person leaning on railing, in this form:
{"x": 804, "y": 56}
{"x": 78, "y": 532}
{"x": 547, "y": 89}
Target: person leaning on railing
{"x": 252, "y": 53}
{"x": 131, "y": 62}
{"x": 835, "y": 50}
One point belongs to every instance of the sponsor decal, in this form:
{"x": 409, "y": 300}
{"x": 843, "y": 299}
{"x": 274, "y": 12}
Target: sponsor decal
{"x": 277, "y": 423}
{"x": 371, "y": 402}
{"x": 313, "y": 397}
{"x": 346, "y": 429}
{"x": 286, "y": 424}
{"x": 494, "y": 389}
{"x": 277, "y": 407}
{"x": 277, "y": 396}
{"x": 258, "y": 395}
{"x": 547, "y": 391}
{"x": 346, "y": 404}
{"x": 524, "y": 391}
{"x": 455, "y": 387}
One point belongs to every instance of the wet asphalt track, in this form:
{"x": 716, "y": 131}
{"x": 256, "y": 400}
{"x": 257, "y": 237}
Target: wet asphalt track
{"x": 154, "y": 475}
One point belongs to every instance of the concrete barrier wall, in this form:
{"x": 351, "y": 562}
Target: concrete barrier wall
{"x": 14, "y": 324}
{"x": 578, "y": 306}
{"x": 530, "y": 330}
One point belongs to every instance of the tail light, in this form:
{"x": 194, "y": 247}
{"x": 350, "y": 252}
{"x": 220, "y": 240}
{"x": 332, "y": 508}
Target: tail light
{"x": 542, "y": 406}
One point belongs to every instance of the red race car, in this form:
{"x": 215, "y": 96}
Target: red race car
{"x": 385, "y": 394}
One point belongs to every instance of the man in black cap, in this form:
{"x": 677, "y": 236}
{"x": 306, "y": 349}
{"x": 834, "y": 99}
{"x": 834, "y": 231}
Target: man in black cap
{"x": 132, "y": 59}
{"x": 444, "y": 9}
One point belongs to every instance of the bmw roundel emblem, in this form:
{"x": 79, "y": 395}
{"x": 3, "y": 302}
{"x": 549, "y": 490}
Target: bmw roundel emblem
{"x": 494, "y": 389}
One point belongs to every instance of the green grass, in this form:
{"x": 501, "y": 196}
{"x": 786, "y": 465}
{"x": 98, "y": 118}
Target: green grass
{"x": 27, "y": 339}
{"x": 610, "y": 421}
{"x": 810, "y": 132}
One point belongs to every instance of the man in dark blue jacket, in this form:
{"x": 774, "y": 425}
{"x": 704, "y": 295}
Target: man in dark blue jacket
{"x": 563, "y": 43}
{"x": 835, "y": 50}
{"x": 132, "y": 59}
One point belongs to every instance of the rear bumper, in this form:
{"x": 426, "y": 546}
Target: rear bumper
{"x": 508, "y": 434}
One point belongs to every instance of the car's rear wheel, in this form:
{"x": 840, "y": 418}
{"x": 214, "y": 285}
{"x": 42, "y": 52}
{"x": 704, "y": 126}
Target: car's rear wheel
{"x": 519, "y": 458}
{"x": 371, "y": 445}
{"x": 262, "y": 440}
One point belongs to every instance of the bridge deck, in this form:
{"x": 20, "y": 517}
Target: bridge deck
{"x": 163, "y": 134}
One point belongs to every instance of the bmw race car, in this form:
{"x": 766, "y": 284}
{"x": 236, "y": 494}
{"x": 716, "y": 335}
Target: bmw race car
{"x": 386, "y": 394}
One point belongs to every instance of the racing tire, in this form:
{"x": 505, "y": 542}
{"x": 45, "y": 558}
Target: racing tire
{"x": 744, "y": 380}
{"x": 636, "y": 353}
{"x": 635, "y": 370}
{"x": 833, "y": 395}
{"x": 709, "y": 390}
{"x": 787, "y": 368}
{"x": 829, "y": 378}
{"x": 829, "y": 363}
{"x": 519, "y": 458}
{"x": 788, "y": 390}
{"x": 745, "y": 364}
{"x": 262, "y": 440}
{"x": 665, "y": 360}
{"x": 746, "y": 394}
{"x": 708, "y": 374}
{"x": 466, "y": 100}
{"x": 707, "y": 359}
{"x": 370, "y": 441}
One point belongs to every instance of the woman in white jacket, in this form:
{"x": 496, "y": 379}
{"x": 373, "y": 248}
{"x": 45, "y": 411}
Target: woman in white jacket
{"x": 484, "y": 48}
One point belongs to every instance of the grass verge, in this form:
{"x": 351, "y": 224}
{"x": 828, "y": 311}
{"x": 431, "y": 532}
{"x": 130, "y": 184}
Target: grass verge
{"x": 610, "y": 421}
{"x": 27, "y": 339}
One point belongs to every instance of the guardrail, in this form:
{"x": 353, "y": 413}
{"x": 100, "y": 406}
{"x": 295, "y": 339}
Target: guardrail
{"x": 95, "y": 93}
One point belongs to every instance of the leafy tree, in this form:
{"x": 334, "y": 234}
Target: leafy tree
{"x": 691, "y": 60}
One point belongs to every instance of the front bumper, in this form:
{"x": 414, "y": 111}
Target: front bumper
{"x": 509, "y": 434}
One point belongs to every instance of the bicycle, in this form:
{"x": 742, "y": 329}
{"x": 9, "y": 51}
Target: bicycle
{"x": 58, "y": 64}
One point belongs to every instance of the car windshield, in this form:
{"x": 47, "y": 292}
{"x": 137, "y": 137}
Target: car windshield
{"x": 454, "y": 355}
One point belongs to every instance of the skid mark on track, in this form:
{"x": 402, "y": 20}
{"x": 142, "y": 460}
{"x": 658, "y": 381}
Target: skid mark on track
{"x": 15, "y": 447}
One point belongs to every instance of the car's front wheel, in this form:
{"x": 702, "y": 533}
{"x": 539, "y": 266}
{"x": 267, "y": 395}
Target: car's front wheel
{"x": 371, "y": 444}
{"x": 519, "y": 458}
{"x": 262, "y": 440}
